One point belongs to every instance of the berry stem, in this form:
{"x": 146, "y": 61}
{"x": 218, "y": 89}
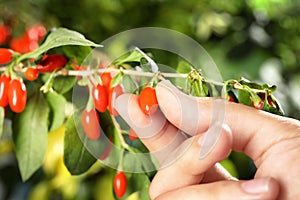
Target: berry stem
{"x": 120, "y": 135}
{"x": 119, "y": 131}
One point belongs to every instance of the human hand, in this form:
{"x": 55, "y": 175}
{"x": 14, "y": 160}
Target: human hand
{"x": 273, "y": 142}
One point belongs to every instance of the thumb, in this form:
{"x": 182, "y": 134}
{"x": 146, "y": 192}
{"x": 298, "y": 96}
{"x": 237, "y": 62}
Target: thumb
{"x": 261, "y": 188}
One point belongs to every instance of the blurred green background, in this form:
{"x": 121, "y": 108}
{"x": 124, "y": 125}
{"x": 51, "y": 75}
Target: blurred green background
{"x": 257, "y": 39}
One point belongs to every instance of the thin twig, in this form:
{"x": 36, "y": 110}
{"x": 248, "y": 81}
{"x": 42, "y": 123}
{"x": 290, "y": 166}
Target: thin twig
{"x": 66, "y": 72}
{"x": 119, "y": 131}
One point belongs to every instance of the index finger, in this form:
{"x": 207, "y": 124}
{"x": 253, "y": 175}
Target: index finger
{"x": 253, "y": 131}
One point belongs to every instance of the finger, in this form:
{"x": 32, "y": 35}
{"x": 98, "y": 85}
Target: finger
{"x": 165, "y": 137}
{"x": 188, "y": 169}
{"x": 263, "y": 188}
{"x": 159, "y": 136}
{"x": 253, "y": 130}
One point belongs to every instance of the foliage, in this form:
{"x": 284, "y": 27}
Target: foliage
{"x": 255, "y": 39}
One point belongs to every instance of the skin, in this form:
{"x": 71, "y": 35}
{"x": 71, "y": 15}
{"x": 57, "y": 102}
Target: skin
{"x": 273, "y": 142}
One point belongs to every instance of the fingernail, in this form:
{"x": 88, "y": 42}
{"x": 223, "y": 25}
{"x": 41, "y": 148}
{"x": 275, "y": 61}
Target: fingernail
{"x": 209, "y": 140}
{"x": 256, "y": 186}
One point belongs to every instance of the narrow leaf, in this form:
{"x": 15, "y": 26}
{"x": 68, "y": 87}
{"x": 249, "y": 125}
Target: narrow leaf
{"x": 133, "y": 56}
{"x": 76, "y": 157}
{"x": 57, "y": 105}
{"x": 59, "y": 37}
{"x": 117, "y": 79}
{"x": 30, "y": 135}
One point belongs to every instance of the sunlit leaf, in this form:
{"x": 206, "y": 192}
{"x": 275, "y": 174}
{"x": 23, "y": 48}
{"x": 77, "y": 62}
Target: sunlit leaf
{"x": 133, "y": 56}
{"x": 59, "y": 37}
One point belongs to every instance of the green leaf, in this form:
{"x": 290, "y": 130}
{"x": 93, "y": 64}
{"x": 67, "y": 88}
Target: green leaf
{"x": 230, "y": 167}
{"x": 145, "y": 65}
{"x": 116, "y": 79}
{"x": 30, "y": 135}
{"x": 57, "y": 105}
{"x": 227, "y": 87}
{"x": 199, "y": 88}
{"x": 59, "y": 37}
{"x": 76, "y": 157}
{"x": 183, "y": 67}
{"x": 133, "y": 56}
{"x": 250, "y": 84}
{"x": 79, "y": 53}
{"x": 244, "y": 97}
{"x": 1, "y": 120}
{"x": 62, "y": 84}
{"x": 129, "y": 84}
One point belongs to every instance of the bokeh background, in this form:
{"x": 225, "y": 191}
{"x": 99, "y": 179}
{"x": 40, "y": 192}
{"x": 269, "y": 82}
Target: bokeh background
{"x": 257, "y": 39}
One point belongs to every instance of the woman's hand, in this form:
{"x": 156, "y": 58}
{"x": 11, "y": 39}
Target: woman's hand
{"x": 189, "y": 166}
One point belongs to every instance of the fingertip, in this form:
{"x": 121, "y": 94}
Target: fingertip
{"x": 265, "y": 187}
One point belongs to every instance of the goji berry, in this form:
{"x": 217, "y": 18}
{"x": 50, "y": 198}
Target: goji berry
{"x": 52, "y": 62}
{"x": 17, "y": 95}
{"x": 100, "y": 97}
{"x": 4, "y": 85}
{"x": 31, "y": 74}
{"x": 106, "y": 80}
{"x": 6, "y": 55}
{"x": 90, "y": 123}
{"x": 148, "y": 101}
{"x": 120, "y": 184}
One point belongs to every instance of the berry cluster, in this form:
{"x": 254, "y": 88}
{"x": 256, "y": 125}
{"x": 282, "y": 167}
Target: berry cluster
{"x": 27, "y": 42}
{"x": 12, "y": 88}
{"x": 102, "y": 94}
{"x": 103, "y": 98}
